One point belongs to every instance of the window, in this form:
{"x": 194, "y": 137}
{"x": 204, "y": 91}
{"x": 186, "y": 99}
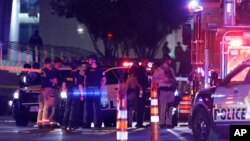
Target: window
{"x": 113, "y": 76}
{"x": 242, "y": 77}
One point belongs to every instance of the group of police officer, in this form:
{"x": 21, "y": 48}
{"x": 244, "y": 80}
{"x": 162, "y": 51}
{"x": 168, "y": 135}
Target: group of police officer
{"x": 80, "y": 86}
{"x": 84, "y": 87}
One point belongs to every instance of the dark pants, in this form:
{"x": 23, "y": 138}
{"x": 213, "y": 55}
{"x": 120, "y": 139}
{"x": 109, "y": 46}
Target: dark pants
{"x": 140, "y": 108}
{"x": 93, "y": 107}
{"x": 56, "y": 116}
{"x": 80, "y": 114}
{"x": 132, "y": 104}
{"x": 70, "y": 117}
{"x": 35, "y": 51}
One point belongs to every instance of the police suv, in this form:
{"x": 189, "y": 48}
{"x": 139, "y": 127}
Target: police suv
{"x": 216, "y": 108}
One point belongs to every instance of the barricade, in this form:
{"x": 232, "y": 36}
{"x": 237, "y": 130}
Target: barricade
{"x": 154, "y": 114}
{"x": 122, "y": 123}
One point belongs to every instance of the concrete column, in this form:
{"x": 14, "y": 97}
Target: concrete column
{"x": 14, "y": 26}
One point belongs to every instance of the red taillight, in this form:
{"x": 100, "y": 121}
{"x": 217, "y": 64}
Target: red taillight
{"x": 127, "y": 64}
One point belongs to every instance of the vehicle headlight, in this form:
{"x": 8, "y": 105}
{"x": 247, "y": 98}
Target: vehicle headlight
{"x": 16, "y": 95}
{"x": 63, "y": 95}
{"x": 24, "y": 78}
{"x": 10, "y": 103}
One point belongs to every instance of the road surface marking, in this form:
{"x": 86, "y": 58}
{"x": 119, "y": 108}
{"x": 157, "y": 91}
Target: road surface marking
{"x": 177, "y": 135}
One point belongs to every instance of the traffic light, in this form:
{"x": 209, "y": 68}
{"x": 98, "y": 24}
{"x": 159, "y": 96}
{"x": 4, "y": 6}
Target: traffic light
{"x": 186, "y": 34}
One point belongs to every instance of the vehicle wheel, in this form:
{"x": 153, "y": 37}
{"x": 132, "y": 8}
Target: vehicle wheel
{"x": 109, "y": 118}
{"x": 109, "y": 123}
{"x": 201, "y": 126}
{"x": 20, "y": 121}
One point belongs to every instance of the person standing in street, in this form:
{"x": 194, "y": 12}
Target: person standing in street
{"x": 81, "y": 110}
{"x": 165, "y": 78}
{"x": 142, "y": 77}
{"x": 179, "y": 55}
{"x": 57, "y": 89}
{"x": 36, "y": 44}
{"x": 165, "y": 51}
{"x": 73, "y": 85}
{"x": 46, "y": 97}
{"x": 95, "y": 81}
{"x": 134, "y": 91}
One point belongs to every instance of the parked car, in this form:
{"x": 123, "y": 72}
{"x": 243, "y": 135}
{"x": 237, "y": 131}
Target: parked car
{"x": 218, "y": 107}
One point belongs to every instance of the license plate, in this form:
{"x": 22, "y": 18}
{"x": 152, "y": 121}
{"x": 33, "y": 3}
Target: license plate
{"x": 34, "y": 109}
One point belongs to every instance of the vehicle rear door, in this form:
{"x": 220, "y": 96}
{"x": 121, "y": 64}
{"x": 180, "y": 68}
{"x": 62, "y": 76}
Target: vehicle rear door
{"x": 109, "y": 95}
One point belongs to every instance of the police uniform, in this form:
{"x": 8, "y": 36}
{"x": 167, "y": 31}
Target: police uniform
{"x": 81, "y": 109}
{"x": 70, "y": 119}
{"x": 166, "y": 94}
{"x": 93, "y": 96}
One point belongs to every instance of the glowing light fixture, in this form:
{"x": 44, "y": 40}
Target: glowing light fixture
{"x": 236, "y": 42}
{"x": 194, "y": 6}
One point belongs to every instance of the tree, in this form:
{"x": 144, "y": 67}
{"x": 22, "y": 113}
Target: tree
{"x": 125, "y": 24}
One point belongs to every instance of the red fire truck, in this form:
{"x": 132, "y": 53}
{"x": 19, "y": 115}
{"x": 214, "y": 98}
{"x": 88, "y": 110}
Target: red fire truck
{"x": 217, "y": 45}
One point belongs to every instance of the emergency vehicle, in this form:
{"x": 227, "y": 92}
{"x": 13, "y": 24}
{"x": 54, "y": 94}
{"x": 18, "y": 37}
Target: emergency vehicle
{"x": 219, "y": 47}
{"x": 217, "y": 107}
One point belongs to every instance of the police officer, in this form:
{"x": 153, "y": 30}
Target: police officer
{"x": 81, "y": 110}
{"x": 142, "y": 77}
{"x": 46, "y": 98}
{"x": 94, "y": 82}
{"x": 73, "y": 85}
{"x": 57, "y": 88}
{"x": 165, "y": 78}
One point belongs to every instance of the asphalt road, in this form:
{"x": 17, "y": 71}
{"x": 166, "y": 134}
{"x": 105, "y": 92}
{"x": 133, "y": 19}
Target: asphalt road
{"x": 9, "y": 132}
